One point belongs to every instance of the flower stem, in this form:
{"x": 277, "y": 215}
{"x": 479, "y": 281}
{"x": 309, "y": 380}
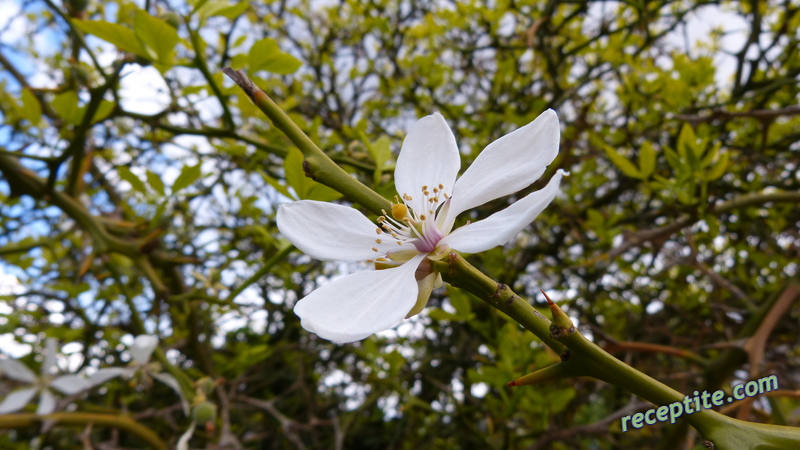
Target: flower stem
{"x": 581, "y": 357}
{"x": 317, "y": 165}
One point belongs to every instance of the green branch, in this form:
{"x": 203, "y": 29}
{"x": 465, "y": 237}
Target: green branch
{"x": 317, "y": 164}
{"x": 13, "y": 421}
{"x": 583, "y": 358}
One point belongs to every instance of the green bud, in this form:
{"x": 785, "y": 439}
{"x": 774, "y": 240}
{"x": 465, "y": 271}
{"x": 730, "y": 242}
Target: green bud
{"x": 204, "y": 412}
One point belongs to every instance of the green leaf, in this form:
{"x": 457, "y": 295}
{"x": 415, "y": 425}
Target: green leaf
{"x": 647, "y": 159}
{"x": 687, "y": 140}
{"x": 103, "y": 111}
{"x": 711, "y": 155}
{"x": 189, "y": 174}
{"x": 31, "y": 109}
{"x": 622, "y": 163}
{"x": 305, "y": 187}
{"x": 274, "y": 183}
{"x": 233, "y": 11}
{"x": 322, "y": 193}
{"x": 66, "y": 106}
{"x": 155, "y": 182}
{"x": 381, "y": 153}
{"x": 121, "y": 37}
{"x": 126, "y": 174}
{"x": 157, "y": 37}
{"x": 440, "y": 314}
{"x": 718, "y": 169}
{"x": 265, "y": 55}
{"x": 220, "y": 8}
{"x": 460, "y": 302}
{"x": 295, "y": 177}
{"x": 673, "y": 159}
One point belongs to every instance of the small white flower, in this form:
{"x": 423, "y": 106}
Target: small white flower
{"x": 420, "y": 225}
{"x": 69, "y": 384}
{"x": 141, "y": 350}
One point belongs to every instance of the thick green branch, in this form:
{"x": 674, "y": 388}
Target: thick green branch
{"x": 317, "y": 164}
{"x": 583, "y": 358}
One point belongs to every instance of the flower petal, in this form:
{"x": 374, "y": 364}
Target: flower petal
{"x": 183, "y": 441}
{"x": 17, "y": 371}
{"x": 508, "y": 164}
{"x": 50, "y": 356}
{"x": 103, "y": 375}
{"x": 47, "y": 403}
{"x": 501, "y": 226}
{"x": 170, "y": 381}
{"x": 17, "y": 400}
{"x": 143, "y": 346}
{"x": 70, "y": 384}
{"x": 358, "y": 305}
{"x": 332, "y": 232}
{"x": 429, "y": 157}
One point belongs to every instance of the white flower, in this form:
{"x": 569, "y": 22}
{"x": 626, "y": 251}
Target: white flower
{"x": 419, "y": 227}
{"x": 67, "y": 384}
{"x": 141, "y": 350}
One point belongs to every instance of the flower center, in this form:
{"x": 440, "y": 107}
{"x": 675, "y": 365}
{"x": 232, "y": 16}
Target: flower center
{"x": 420, "y": 228}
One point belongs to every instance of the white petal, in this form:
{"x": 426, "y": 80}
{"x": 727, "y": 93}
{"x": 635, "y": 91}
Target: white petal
{"x": 170, "y": 381}
{"x": 50, "y": 355}
{"x": 332, "y": 232}
{"x": 429, "y": 157}
{"x": 70, "y": 384}
{"x": 358, "y": 305}
{"x": 47, "y": 403}
{"x": 508, "y": 164}
{"x": 103, "y": 375}
{"x": 17, "y": 400}
{"x": 142, "y": 348}
{"x": 17, "y": 371}
{"x": 183, "y": 442}
{"x": 501, "y": 226}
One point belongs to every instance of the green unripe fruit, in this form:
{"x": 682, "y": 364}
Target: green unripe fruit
{"x": 82, "y": 75}
{"x": 204, "y": 412}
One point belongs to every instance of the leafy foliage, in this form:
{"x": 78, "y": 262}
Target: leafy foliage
{"x": 675, "y": 237}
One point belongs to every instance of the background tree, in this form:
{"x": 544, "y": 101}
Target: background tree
{"x": 674, "y": 244}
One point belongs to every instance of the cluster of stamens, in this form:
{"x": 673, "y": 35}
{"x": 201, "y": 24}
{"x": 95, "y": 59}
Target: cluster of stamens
{"x": 407, "y": 225}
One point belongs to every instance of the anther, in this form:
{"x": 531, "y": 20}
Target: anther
{"x": 441, "y": 186}
{"x": 399, "y": 243}
{"x": 378, "y": 230}
{"x": 435, "y": 190}
{"x": 424, "y": 188}
{"x": 422, "y": 217}
{"x": 374, "y": 249}
{"x": 377, "y": 241}
{"x": 400, "y": 211}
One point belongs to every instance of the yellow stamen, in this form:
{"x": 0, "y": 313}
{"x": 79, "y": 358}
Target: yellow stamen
{"x": 399, "y": 211}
